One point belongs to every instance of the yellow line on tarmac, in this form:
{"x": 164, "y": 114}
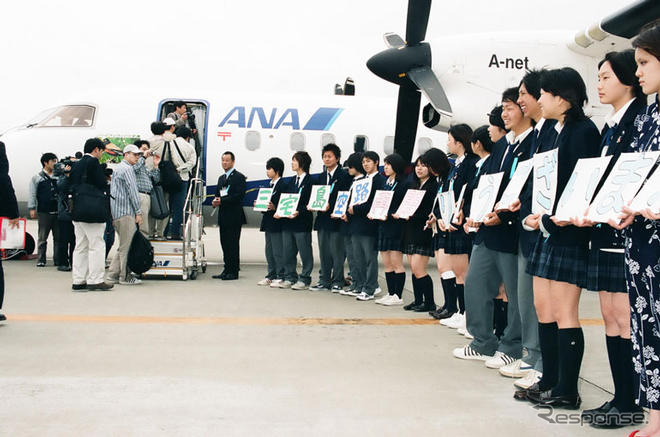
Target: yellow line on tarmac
{"x": 240, "y": 321}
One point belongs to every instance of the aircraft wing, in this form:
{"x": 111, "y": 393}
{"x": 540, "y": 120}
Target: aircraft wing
{"x": 615, "y": 31}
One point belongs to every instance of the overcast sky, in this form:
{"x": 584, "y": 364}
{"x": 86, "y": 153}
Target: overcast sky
{"x": 53, "y": 51}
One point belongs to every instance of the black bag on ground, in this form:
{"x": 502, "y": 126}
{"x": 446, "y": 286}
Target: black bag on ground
{"x": 169, "y": 177}
{"x": 158, "y": 209}
{"x": 140, "y": 254}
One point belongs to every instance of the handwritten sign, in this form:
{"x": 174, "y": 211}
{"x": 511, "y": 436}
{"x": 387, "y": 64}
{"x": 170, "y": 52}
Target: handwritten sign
{"x": 581, "y": 187}
{"x": 649, "y": 195}
{"x": 381, "y": 204}
{"x": 360, "y": 191}
{"x": 341, "y": 204}
{"x": 263, "y": 199}
{"x": 625, "y": 179}
{"x": 410, "y": 203}
{"x": 446, "y": 206}
{"x": 516, "y": 184}
{"x": 544, "y": 182}
{"x": 319, "y": 198}
{"x": 485, "y": 195}
{"x": 459, "y": 202}
{"x": 12, "y": 238}
{"x": 287, "y": 204}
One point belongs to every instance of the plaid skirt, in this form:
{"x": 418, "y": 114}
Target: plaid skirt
{"x": 418, "y": 249}
{"x": 559, "y": 263}
{"x": 606, "y": 271}
{"x": 458, "y": 243}
{"x": 385, "y": 243}
{"x": 439, "y": 240}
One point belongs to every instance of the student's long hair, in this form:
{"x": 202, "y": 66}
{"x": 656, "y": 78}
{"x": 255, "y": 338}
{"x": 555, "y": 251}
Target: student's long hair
{"x": 567, "y": 84}
{"x": 624, "y": 66}
{"x": 462, "y": 133}
{"x": 354, "y": 160}
{"x": 481, "y": 134}
{"x": 398, "y": 165}
{"x": 649, "y": 39}
{"x": 437, "y": 162}
{"x": 420, "y": 160}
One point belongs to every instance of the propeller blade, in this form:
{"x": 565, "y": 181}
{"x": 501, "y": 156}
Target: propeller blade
{"x": 429, "y": 84}
{"x": 407, "y": 117}
{"x": 393, "y": 41}
{"x": 418, "y": 19}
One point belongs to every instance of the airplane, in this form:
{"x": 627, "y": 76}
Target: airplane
{"x": 461, "y": 76}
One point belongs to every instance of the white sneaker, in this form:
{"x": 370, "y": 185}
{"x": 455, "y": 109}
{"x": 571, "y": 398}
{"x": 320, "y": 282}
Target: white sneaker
{"x": 347, "y": 292}
{"x": 130, "y": 281}
{"x": 394, "y": 300}
{"x": 456, "y": 322}
{"x": 517, "y": 369}
{"x": 299, "y": 286}
{"x": 378, "y": 291}
{"x": 500, "y": 359}
{"x": 445, "y": 322}
{"x": 383, "y": 300}
{"x": 467, "y": 353}
{"x": 529, "y": 380}
{"x": 264, "y": 281}
{"x": 364, "y": 297}
{"x": 281, "y": 284}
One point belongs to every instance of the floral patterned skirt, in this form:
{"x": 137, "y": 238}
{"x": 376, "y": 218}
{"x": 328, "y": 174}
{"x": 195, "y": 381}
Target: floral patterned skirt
{"x": 642, "y": 266}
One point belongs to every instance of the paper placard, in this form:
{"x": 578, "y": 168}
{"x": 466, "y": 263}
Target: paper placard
{"x": 341, "y": 204}
{"x": 10, "y": 237}
{"x": 516, "y": 184}
{"x": 410, "y": 203}
{"x": 545, "y": 181}
{"x": 581, "y": 187}
{"x": 649, "y": 195}
{"x": 446, "y": 206}
{"x": 360, "y": 191}
{"x": 623, "y": 182}
{"x": 381, "y": 204}
{"x": 319, "y": 198}
{"x": 459, "y": 202}
{"x": 287, "y": 204}
{"x": 485, "y": 195}
{"x": 263, "y": 199}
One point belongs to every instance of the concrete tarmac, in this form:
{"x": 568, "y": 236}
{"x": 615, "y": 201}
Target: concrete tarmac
{"x": 208, "y": 357}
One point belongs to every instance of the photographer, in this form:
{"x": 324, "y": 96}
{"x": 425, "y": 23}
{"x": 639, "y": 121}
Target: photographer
{"x": 182, "y": 117}
{"x": 67, "y": 238}
{"x": 146, "y": 174}
{"x": 42, "y": 204}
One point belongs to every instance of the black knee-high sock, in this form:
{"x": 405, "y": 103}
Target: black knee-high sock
{"x": 389, "y": 279}
{"x": 626, "y": 393}
{"x": 417, "y": 291}
{"x": 428, "y": 290}
{"x": 400, "y": 281}
{"x": 449, "y": 291}
{"x": 460, "y": 295}
{"x": 571, "y": 350}
{"x": 500, "y": 317}
{"x": 612, "y": 344}
{"x": 549, "y": 343}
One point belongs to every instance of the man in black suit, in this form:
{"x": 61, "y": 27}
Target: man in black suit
{"x": 8, "y": 208}
{"x": 229, "y": 196}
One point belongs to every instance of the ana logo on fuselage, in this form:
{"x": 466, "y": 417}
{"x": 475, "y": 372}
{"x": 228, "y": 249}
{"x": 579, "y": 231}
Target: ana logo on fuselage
{"x": 322, "y": 119}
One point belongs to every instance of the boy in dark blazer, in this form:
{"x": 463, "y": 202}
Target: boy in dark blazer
{"x": 229, "y": 195}
{"x": 271, "y": 227}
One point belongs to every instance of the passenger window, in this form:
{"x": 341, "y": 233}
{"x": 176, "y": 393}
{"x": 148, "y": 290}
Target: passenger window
{"x": 327, "y": 139}
{"x": 361, "y": 143}
{"x": 252, "y": 140}
{"x": 298, "y": 141}
{"x": 70, "y": 116}
{"x": 424, "y": 144}
{"x": 388, "y": 145}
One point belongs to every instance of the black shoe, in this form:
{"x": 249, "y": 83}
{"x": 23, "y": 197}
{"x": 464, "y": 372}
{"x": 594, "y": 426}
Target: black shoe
{"x": 220, "y": 276}
{"x": 615, "y": 418}
{"x": 103, "y": 286}
{"x": 441, "y": 314}
{"x": 545, "y": 398}
{"x": 63, "y": 268}
{"x": 425, "y": 307}
{"x": 588, "y": 415}
{"x": 41, "y": 264}
{"x": 79, "y": 287}
{"x": 411, "y": 306}
{"x": 229, "y": 277}
{"x": 2, "y": 317}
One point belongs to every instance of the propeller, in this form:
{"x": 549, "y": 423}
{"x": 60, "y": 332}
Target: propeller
{"x": 408, "y": 64}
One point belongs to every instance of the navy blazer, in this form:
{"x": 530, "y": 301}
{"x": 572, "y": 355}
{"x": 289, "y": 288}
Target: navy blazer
{"x": 393, "y": 228}
{"x": 414, "y": 232}
{"x": 359, "y": 223}
{"x": 303, "y": 222}
{"x": 603, "y": 235}
{"x": 461, "y": 174}
{"x": 543, "y": 142}
{"x": 268, "y": 222}
{"x": 578, "y": 139}
{"x": 8, "y": 203}
{"x": 341, "y": 181}
{"x": 230, "y": 211}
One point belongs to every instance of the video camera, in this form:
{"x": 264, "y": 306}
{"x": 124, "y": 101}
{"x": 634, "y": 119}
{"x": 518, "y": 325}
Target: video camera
{"x": 60, "y": 167}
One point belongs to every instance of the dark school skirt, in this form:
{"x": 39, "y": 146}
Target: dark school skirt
{"x": 439, "y": 240}
{"x": 386, "y": 243}
{"x": 418, "y": 249}
{"x": 558, "y": 263}
{"x": 606, "y": 271}
{"x": 458, "y": 243}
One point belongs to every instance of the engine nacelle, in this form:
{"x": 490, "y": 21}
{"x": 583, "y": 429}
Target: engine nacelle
{"x": 434, "y": 120}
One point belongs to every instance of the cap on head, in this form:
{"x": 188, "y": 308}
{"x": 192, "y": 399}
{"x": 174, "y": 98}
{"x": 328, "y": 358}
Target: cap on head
{"x": 169, "y": 121}
{"x": 132, "y": 148}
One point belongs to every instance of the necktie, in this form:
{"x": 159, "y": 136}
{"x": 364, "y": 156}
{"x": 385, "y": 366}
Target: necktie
{"x": 508, "y": 158}
{"x": 327, "y": 180}
{"x": 271, "y": 183}
{"x": 535, "y": 142}
{"x": 605, "y": 142}
{"x": 297, "y": 181}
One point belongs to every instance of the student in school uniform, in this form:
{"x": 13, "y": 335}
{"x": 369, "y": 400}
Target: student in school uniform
{"x": 494, "y": 257}
{"x": 390, "y": 231}
{"x": 643, "y": 244}
{"x": 273, "y": 228}
{"x": 365, "y": 233}
{"x": 355, "y": 171}
{"x": 418, "y": 238}
{"x": 617, "y": 86}
{"x": 559, "y": 260}
{"x": 297, "y": 230}
{"x": 458, "y": 244}
{"x": 331, "y": 241}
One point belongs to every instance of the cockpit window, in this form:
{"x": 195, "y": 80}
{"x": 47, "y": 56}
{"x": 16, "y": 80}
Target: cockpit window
{"x": 69, "y": 116}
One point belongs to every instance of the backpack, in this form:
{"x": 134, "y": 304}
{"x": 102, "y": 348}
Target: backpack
{"x": 170, "y": 179}
{"x": 140, "y": 254}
